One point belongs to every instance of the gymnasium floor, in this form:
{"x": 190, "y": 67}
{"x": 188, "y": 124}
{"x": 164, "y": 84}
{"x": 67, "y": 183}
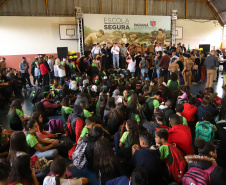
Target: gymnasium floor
{"x": 28, "y": 107}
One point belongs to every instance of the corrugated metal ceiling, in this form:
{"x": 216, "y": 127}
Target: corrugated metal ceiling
{"x": 195, "y": 8}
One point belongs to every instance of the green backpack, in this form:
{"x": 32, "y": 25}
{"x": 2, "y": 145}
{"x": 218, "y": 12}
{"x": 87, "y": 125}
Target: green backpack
{"x": 205, "y": 131}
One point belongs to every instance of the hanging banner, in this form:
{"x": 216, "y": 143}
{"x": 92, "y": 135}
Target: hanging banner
{"x": 132, "y": 29}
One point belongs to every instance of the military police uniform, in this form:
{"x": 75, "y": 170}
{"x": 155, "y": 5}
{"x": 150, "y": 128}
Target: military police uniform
{"x": 188, "y": 72}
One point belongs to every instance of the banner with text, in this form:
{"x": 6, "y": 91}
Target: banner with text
{"x": 107, "y": 28}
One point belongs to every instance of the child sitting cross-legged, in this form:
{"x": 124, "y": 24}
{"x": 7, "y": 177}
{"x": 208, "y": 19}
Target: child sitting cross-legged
{"x": 58, "y": 169}
{"x": 205, "y": 129}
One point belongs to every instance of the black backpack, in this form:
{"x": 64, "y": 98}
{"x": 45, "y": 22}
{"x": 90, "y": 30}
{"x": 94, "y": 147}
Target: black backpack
{"x": 145, "y": 112}
{"x": 34, "y": 96}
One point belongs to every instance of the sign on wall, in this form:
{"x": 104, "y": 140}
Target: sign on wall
{"x": 106, "y": 28}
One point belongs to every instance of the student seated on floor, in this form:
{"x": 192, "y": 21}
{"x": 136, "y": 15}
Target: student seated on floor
{"x": 149, "y": 159}
{"x": 58, "y": 169}
{"x": 86, "y": 113}
{"x": 16, "y": 115}
{"x": 49, "y": 106}
{"x": 34, "y": 142}
{"x": 179, "y": 109}
{"x": 21, "y": 171}
{"x": 90, "y": 123}
{"x": 123, "y": 145}
{"x": 4, "y": 141}
{"x": 205, "y": 129}
{"x": 66, "y": 110}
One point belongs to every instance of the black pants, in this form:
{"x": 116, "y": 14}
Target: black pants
{"x": 27, "y": 77}
{"x": 164, "y": 74}
{"x": 45, "y": 79}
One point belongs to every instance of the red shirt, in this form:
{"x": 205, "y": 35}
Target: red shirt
{"x": 181, "y": 135}
{"x": 189, "y": 112}
{"x": 43, "y": 69}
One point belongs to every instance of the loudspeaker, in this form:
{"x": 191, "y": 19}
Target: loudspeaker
{"x": 62, "y": 52}
{"x": 206, "y": 47}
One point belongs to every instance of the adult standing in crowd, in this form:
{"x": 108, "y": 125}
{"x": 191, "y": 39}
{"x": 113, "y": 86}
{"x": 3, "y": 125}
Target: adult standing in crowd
{"x": 24, "y": 66}
{"x": 115, "y": 52}
{"x": 44, "y": 68}
{"x": 143, "y": 66}
{"x": 123, "y": 52}
{"x": 164, "y": 65}
{"x": 3, "y": 63}
{"x": 104, "y": 56}
{"x": 211, "y": 62}
{"x": 96, "y": 51}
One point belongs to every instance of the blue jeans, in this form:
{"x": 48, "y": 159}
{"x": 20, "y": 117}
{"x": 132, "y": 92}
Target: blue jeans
{"x": 143, "y": 71}
{"x": 115, "y": 60}
{"x": 48, "y": 154}
{"x": 158, "y": 73}
{"x": 118, "y": 150}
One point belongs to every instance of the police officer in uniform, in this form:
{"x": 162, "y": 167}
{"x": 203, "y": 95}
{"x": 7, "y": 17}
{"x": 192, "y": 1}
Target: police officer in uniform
{"x": 187, "y": 72}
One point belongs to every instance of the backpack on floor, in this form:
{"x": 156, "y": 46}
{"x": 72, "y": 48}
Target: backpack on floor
{"x": 196, "y": 176}
{"x": 78, "y": 156}
{"x": 70, "y": 128}
{"x": 56, "y": 126}
{"x": 177, "y": 168}
{"x": 34, "y": 95}
{"x": 205, "y": 131}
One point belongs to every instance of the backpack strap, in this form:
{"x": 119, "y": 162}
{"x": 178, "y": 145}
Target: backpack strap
{"x": 210, "y": 170}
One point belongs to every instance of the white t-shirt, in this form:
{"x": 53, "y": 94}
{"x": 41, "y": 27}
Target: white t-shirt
{"x": 61, "y": 72}
{"x": 56, "y": 71}
{"x": 132, "y": 66}
{"x": 113, "y": 50}
{"x": 51, "y": 181}
{"x": 158, "y": 48}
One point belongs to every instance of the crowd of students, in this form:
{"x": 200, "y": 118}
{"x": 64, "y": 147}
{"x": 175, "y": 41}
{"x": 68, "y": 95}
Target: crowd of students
{"x": 138, "y": 124}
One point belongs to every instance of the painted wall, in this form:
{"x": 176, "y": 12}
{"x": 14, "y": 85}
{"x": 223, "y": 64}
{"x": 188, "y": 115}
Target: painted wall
{"x": 197, "y": 32}
{"x": 28, "y": 36}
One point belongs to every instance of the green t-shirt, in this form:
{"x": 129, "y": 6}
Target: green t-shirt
{"x": 154, "y": 104}
{"x": 86, "y": 113}
{"x": 126, "y": 100}
{"x": 97, "y": 106}
{"x": 19, "y": 113}
{"x": 184, "y": 120}
{"x": 14, "y": 116}
{"x": 77, "y": 79}
{"x": 124, "y": 136}
{"x": 137, "y": 118}
{"x": 32, "y": 140}
{"x": 2, "y": 139}
{"x": 72, "y": 68}
{"x": 165, "y": 153}
{"x": 85, "y": 131}
{"x": 173, "y": 85}
{"x": 68, "y": 110}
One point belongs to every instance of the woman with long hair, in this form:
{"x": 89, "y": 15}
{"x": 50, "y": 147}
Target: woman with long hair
{"x": 115, "y": 119}
{"x": 18, "y": 146}
{"x": 21, "y": 171}
{"x": 106, "y": 164}
{"x": 34, "y": 141}
{"x": 16, "y": 115}
{"x": 109, "y": 106}
{"x": 123, "y": 145}
{"x": 58, "y": 169}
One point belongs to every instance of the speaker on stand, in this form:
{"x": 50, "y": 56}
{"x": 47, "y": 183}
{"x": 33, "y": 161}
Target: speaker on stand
{"x": 62, "y": 52}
